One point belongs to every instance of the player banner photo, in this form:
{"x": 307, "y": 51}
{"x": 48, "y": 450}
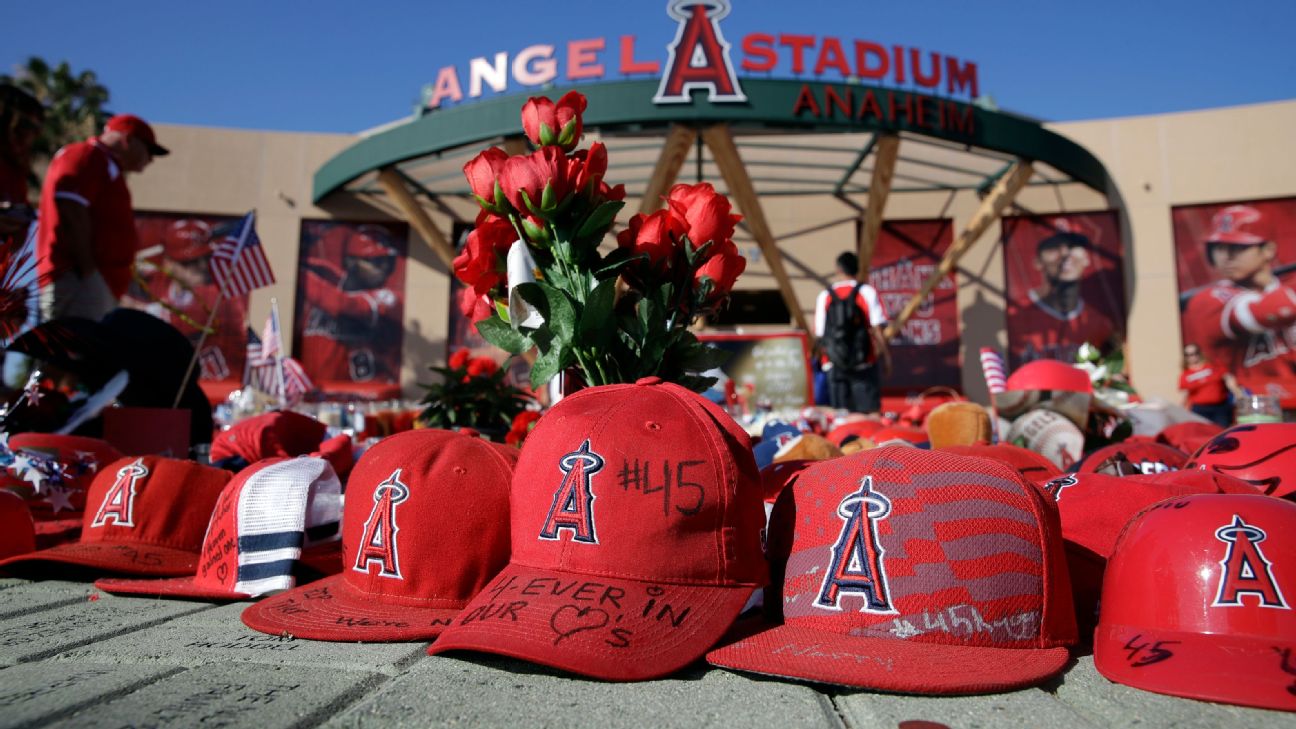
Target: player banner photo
{"x": 347, "y": 331}
{"x": 1064, "y": 284}
{"x": 173, "y": 282}
{"x": 925, "y": 353}
{"x": 1236, "y": 265}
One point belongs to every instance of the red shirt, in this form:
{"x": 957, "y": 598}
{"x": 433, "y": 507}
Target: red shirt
{"x": 867, "y": 299}
{"x": 1204, "y": 385}
{"x": 1262, "y": 360}
{"x": 352, "y": 336}
{"x": 86, "y": 173}
{"x": 1037, "y": 331}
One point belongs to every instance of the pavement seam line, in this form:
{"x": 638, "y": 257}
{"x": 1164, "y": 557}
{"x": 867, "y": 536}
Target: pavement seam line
{"x": 95, "y": 639}
{"x": 344, "y": 701}
{"x": 130, "y": 688}
{"x": 836, "y": 717}
{"x": 29, "y": 609}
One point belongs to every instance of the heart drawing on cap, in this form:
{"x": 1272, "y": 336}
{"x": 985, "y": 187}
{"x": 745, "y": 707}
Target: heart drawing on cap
{"x": 569, "y": 620}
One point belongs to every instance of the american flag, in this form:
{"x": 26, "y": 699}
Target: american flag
{"x": 296, "y": 383}
{"x": 260, "y": 372}
{"x": 238, "y": 262}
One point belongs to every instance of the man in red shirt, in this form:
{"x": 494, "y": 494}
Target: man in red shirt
{"x": 87, "y": 240}
{"x": 1055, "y": 321}
{"x": 1244, "y": 321}
{"x": 861, "y": 390}
{"x": 1206, "y": 388}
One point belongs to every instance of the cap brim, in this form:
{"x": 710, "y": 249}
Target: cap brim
{"x": 1237, "y": 239}
{"x": 158, "y": 150}
{"x": 184, "y": 587}
{"x": 129, "y": 559}
{"x": 900, "y": 666}
{"x": 604, "y": 627}
{"x": 1225, "y": 668}
{"x": 331, "y": 609}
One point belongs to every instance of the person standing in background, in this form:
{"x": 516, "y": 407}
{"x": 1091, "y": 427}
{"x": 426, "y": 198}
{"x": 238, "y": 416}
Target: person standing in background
{"x": 1208, "y": 390}
{"x": 87, "y": 239}
{"x": 856, "y": 388}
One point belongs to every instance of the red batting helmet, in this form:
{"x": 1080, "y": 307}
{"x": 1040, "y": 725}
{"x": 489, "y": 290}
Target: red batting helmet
{"x": 369, "y": 241}
{"x": 1236, "y": 225}
{"x": 1196, "y": 601}
{"x": 1129, "y": 458}
{"x": 187, "y": 239}
{"x": 1262, "y": 454}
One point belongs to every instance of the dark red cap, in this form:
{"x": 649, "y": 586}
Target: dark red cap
{"x": 145, "y": 516}
{"x": 914, "y": 571}
{"x": 265, "y": 517}
{"x": 1095, "y": 507}
{"x": 1197, "y": 601}
{"x": 1134, "y": 457}
{"x": 860, "y": 428}
{"x": 133, "y": 126}
{"x": 425, "y": 528}
{"x": 281, "y": 433}
{"x": 1049, "y": 374}
{"x": 1028, "y": 463}
{"x": 187, "y": 240}
{"x": 1236, "y": 225}
{"x": 368, "y": 241}
{"x": 52, "y": 472}
{"x": 637, "y": 517}
{"x": 17, "y": 531}
{"x": 1190, "y": 436}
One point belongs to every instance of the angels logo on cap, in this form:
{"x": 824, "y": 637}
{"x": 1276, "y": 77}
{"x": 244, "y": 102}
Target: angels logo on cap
{"x": 425, "y": 528}
{"x": 914, "y": 571}
{"x": 145, "y": 516}
{"x": 1197, "y": 601}
{"x": 266, "y": 517}
{"x": 636, "y": 533}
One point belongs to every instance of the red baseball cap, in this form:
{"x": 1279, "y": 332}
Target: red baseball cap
{"x": 860, "y": 428}
{"x": 187, "y": 239}
{"x": 52, "y": 472}
{"x": 1134, "y": 457}
{"x": 265, "y": 517}
{"x": 1188, "y": 436}
{"x": 368, "y": 241}
{"x": 1027, "y": 462}
{"x": 1094, "y": 507}
{"x": 17, "y": 532}
{"x": 1049, "y": 374}
{"x": 1197, "y": 601}
{"x": 280, "y": 433}
{"x": 1236, "y": 225}
{"x": 926, "y": 572}
{"x": 424, "y": 530}
{"x": 145, "y": 516}
{"x": 637, "y": 517}
{"x": 133, "y": 126}
{"x": 1261, "y": 454}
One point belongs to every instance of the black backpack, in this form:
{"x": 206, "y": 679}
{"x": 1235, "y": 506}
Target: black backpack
{"x": 846, "y": 337}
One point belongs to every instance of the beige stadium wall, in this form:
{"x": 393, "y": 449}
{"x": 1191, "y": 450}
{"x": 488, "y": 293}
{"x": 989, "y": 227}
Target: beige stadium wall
{"x": 1155, "y": 162}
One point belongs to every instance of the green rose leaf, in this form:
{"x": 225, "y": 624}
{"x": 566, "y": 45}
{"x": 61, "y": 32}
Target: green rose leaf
{"x": 599, "y": 219}
{"x": 500, "y": 334}
{"x": 597, "y": 322}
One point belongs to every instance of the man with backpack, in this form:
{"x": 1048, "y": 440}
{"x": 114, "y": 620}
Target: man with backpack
{"x": 848, "y": 324}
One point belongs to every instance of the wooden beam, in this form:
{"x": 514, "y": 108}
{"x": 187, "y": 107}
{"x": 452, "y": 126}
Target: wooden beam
{"x": 1000, "y": 197}
{"x": 675, "y": 150}
{"x": 726, "y": 156}
{"x": 516, "y": 145}
{"x": 888, "y": 151}
{"x": 395, "y": 188}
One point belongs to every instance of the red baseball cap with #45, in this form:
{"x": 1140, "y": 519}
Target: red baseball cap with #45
{"x": 913, "y": 571}
{"x": 266, "y": 516}
{"x": 636, "y": 520}
{"x": 144, "y": 516}
{"x": 424, "y": 529}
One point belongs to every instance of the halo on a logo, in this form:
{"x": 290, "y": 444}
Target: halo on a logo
{"x": 399, "y": 491}
{"x": 1230, "y": 532}
{"x": 878, "y": 506}
{"x": 679, "y": 9}
{"x": 593, "y": 462}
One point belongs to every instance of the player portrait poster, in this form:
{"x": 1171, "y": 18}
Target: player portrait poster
{"x": 1064, "y": 284}
{"x": 925, "y": 353}
{"x": 350, "y": 301}
{"x": 173, "y": 282}
{"x": 1237, "y": 281}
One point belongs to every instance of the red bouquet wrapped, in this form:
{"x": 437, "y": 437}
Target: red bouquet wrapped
{"x": 534, "y": 259}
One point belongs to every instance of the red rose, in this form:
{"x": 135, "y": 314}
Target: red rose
{"x": 459, "y": 359}
{"x": 482, "y": 367}
{"x": 544, "y": 176}
{"x": 481, "y": 265}
{"x": 707, "y": 212}
{"x": 723, "y": 267}
{"x": 593, "y": 165}
{"x": 522, "y": 425}
{"x": 547, "y": 123}
{"x": 474, "y": 306}
{"x": 483, "y": 173}
{"x": 656, "y": 234}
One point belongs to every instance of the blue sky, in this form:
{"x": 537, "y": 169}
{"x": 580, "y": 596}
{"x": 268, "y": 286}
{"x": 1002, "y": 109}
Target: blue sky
{"x": 346, "y": 66}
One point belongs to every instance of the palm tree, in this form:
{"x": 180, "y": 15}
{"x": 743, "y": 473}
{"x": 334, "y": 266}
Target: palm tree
{"x": 73, "y": 102}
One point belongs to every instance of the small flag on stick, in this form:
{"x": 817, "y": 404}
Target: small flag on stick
{"x": 238, "y": 261}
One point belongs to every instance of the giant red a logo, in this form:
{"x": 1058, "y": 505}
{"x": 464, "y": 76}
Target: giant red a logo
{"x": 1244, "y": 569}
{"x": 119, "y": 503}
{"x": 573, "y": 504}
{"x": 699, "y": 55}
{"x": 378, "y": 541}
{"x": 856, "y": 567}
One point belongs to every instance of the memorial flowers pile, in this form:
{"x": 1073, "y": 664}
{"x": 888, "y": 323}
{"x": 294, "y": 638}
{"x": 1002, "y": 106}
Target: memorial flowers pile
{"x": 534, "y": 265}
{"x": 472, "y": 394}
